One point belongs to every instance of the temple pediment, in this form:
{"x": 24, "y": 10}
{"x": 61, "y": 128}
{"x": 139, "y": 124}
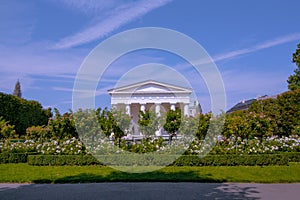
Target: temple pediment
{"x": 149, "y": 95}
{"x": 150, "y": 86}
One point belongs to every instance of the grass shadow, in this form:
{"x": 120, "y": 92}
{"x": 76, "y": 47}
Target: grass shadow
{"x": 118, "y": 176}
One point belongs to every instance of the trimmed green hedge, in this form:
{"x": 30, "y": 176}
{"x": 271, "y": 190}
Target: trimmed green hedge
{"x": 13, "y": 158}
{"x": 292, "y": 156}
{"x": 233, "y": 160}
{"x": 159, "y": 160}
{"x": 163, "y": 160}
{"x": 42, "y": 160}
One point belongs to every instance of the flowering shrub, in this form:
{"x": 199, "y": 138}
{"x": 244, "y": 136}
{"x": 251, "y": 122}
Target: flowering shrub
{"x": 65, "y": 147}
{"x": 62, "y": 147}
{"x": 230, "y": 145}
{"x": 273, "y": 144}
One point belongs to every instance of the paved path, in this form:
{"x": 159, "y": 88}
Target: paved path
{"x": 152, "y": 190}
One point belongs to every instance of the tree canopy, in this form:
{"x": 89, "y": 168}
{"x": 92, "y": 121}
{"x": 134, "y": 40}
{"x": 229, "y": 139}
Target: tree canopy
{"x": 22, "y": 113}
{"x": 294, "y": 80}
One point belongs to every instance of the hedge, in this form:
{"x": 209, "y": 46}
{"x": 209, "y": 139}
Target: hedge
{"x": 163, "y": 160}
{"x": 233, "y": 160}
{"x": 13, "y": 157}
{"x": 292, "y": 156}
{"x": 42, "y": 160}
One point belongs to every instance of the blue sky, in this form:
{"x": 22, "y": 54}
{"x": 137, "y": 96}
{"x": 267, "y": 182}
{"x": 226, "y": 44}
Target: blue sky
{"x": 43, "y": 43}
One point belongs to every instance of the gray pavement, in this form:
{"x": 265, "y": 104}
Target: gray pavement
{"x": 152, "y": 190}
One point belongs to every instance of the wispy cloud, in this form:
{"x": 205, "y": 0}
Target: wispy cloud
{"x": 240, "y": 52}
{"x": 116, "y": 18}
{"x": 90, "y": 7}
{"x": 257, "y": 47}
{"x": 83, "y": 93}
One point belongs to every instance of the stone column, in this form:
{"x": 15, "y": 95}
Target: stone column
{"x": 114, "y": 106}
{"x": 127, "y": 108}
{"x": 172, "y": 107}
{"x": 186, "y": 110}
{"x": 157, "y": 109}
{"x": 143, "y": 107}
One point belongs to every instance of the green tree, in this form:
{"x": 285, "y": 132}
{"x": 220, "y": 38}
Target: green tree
{"x": 270, "y": 110}
{"x": 259, "y": 125}
{"x": 121, "y": 123}
{"x": 203, "y": 125}
{"x": 173, "y": 122}
{"x": 87, "y": 125}
{"x": 189, "y": 126}
{"x": 17, "y": 90}
{"x": 105, "y": 121}
{"x": 38, "y": 133}
{"x": 23, "y": 113}
{"x": 62, "y": 126}
{"x": 6, "y": 130}
{"x": 289, "y": 104}
{"x": 116, "y": 122}
{"x": 148, "y": 123}
{"x": 294, "y": 80}
{"x": 237, "y": 124}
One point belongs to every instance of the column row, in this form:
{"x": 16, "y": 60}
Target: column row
{"x": 157, "y": 108}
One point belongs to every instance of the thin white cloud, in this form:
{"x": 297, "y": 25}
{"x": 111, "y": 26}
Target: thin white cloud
{"x": 240, "y": 52}
{"x": 118, "y": 17}
{"x": 86, "y": 93}
{"x": 258, "y": 47}
{"x": 90, "y": 7}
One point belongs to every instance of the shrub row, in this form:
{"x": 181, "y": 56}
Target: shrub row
{"x": 42, "y": 160}
{"x": 233, "y": 160}
{"x": 13, "y": 158}
{"x": 163, "y": 160}
{"x": 146, "y": 159}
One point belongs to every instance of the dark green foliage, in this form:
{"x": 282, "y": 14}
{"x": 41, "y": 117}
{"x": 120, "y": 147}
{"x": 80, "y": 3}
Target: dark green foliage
{"x": 6, "y": 130}
{"x": 105, "y": 118}
{"x": 163, "y": 160}
{"x": 38, "y": 133}
{"x": 280, "y": 116}
{"x": 22, "y": 113}
{"x": 289, "y": 104}
{"x": 269, "y": 110}
{"x": 233, "y": 160}
{"x": 62, "y": 126}
{"x": 173, "y": 122}
{"x": 13, "y": 158}
{"x": 293, "y": 156}
{"x": 115, "y": 122}
{"x": 87, "y": 125}
{"x": 17, "y": 90}
{"x": 294, "y": 80}
{"x": 58, "y": 160}
{"x": 203, "y": 125}
{"x": 237, "y": 124}
{"x": 148, "y": 123}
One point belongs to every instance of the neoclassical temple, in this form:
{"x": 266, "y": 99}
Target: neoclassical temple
{"x": 152, "y": 95}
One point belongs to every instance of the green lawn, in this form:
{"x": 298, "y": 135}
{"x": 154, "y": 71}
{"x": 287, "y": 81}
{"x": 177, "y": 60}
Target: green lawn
{"x": 74, "y": 174}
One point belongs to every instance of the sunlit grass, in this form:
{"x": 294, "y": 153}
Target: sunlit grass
{"x": 22, "y": 173}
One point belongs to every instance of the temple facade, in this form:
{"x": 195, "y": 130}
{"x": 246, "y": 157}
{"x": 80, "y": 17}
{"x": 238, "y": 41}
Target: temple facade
{"x": 152, "y": 95}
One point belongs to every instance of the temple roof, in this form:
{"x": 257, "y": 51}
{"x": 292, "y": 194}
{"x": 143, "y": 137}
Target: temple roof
{"x": 150, "y": 86}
